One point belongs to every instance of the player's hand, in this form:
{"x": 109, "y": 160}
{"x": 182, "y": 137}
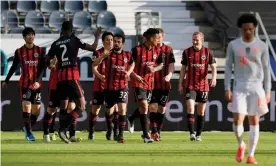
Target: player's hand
{"x": 180, "y": 89}
{"x": 53, "y": 63}
{"x": 213, "y": 82}
{"x": 127, "y": 74}
{"x": 267, "y": 97}
{"x": 36, "y": 85}
{"x": 228, "y": 95}
{"x": 106, "y": 53}
{"x": 167, "y": 78}
{"x": 151, "y": 69}
{"x": 98, "y": 33}
{"x": 102, "y": 78}
{"x": 4, "y": 85}
{"x": 140, "y": 79}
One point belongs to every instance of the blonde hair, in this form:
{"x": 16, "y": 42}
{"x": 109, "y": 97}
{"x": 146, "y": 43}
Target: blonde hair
{"x": 198, "y": 33}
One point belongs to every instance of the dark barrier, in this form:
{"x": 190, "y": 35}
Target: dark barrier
{"x": 217, "y": 115}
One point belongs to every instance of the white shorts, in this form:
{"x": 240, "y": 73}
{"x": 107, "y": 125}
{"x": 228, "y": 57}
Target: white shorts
{"x": 251, "y": 102}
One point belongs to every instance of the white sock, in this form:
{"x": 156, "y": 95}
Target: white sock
{"x": 238, "y": 130}
{"x": 254, "y": 132}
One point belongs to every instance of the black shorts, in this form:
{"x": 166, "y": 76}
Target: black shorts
{"x": 198, "y": 96}
{"x": 113, "y": 97}
{"x": 53, "y": 100}
{"x": 98, "y": 98}
{"x": 31, "y": 95}
{"x": 69, "y": 89}
{"x": 142, "y": 94}
{"x": 161, "y": 97}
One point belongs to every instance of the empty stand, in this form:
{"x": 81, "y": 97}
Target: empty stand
{"x": 116, "y": 30}
{"x": 73, "y": 6}
{"x": 106, "y": 20}
{"x": 25, "y": 6}
{"x": 34, "y": 19}
{"x": 56, "y": 19}
{"x": 16, "y": 30}
{"x": 9, "y": 19}
{"x": 82, "y": 20}
{"x": 43, "y": 30}
{"x": 97, "y": 6}
{"x": 49, "y": 6}
{"x": 4, "y": 6}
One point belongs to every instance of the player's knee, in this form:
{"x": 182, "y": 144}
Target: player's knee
{"x": 71, "y": 106}
{"x": 152, "y": 108}
{"x": 161, "y": 109}
{"x": 51, "y": 111}
{"x": 26, "y": 106}
{"x": 96, "y": 109}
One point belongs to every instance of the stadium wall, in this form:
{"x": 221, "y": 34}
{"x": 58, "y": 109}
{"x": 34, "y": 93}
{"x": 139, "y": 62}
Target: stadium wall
{"x": 217, "y": 115}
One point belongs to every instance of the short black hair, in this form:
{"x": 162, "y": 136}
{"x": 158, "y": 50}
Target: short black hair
{"x": 247, "y": 18}
{"x": 27, "y": 31}
{"x": 151, "y": 32}
{"x": 67, "y": 26}
{"x": 160, "y": 30}
{"x": 121, "y": 36}
{"x": 106, "y": 34}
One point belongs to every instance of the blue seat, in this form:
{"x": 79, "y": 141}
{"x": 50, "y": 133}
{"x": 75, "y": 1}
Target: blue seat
{"x": 4, "y": 6}
{"x": 106, "y": 20}
{"x": 9, "y": 19}
{"x": 56, "y": 19}
{"x": 16, "y": 30}
{"x": 49, "y": 6}
{"x": 34, "y": 19}
{"x": 82, "y": 20}
{"x": 43, "y": 30}
{"x": 73, "y": 6}
{"x": 89, "y": 31}
{"x": 116, "y": 30}
{"x": 25, "y": 6}
{"x": 97, "y": 6}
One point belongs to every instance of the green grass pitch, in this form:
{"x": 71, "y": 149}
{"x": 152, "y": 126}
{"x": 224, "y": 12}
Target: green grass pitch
{"x": 217, "y": 149}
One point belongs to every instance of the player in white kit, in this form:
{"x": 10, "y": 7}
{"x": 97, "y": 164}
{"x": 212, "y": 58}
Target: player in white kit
{"x": 252, "y": 83}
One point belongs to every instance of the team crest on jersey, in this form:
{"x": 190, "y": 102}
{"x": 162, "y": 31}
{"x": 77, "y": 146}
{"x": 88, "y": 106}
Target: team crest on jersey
{"x": 188, "y": 95}
{"x": 95, "y": 101}
{"x": 247, "y": 49}
{"x": 203, "y": 57}
{"x": 35, "y": 54}
{"x": 154, "y": 56}
{"x": 125, "y": 60}
{"x": 163, "y": 55}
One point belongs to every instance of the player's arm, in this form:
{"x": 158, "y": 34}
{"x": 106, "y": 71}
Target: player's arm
{"x": 94, "y": 46}
{"x": 267, "y": 74}
{"x": 133, "y": 74}
{"x": 13, "y": 68}
{"x": 171, "y": 67}
{"x": 95, "y": 64}
{"x": 131, "y": 65}
{"x": 184, "y": 63}
{"x": 51, "y": 59}
{"x": 228, "y": 72}
{"x": 212, "y": 63}
{"x": 99, "y": 59}
{"x": 41, "y": 67}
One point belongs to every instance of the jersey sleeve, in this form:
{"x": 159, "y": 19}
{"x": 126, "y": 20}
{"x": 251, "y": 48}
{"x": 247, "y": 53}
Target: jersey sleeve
{"x": 266, "y": 69}
{"x": 212, "y": 59}
{"x": 95, "y": 55}
{"x": 134, "y": 53}
{"x": 14, "y": 66}
{"x": 80, "y": 43}
{"x": 184, "y": 60}
{"x": 172, "y": 59}
{"x": 130, "y": 59}
{"x": 228, "y": 67}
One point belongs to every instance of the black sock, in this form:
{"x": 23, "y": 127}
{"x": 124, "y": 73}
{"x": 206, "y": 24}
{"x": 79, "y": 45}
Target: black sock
{"x": 47, "y": 121}
{"x": 108, "y": 119}
{"x": 27, "y": 122}
{"x": 144, "y": 124}
{"x": 134, "y": 115}
{"x": 153, "y": 124}
{"x": 115, "y": 122}
{"x": 199, "y": 124}
{"x": 191, "y": 122}
{"x": 33, "y": 119}
{"x": 62, "y": 119}
{"x": 160, "y": 121}
{"x": 122, "y": 124}
{"x": 52, "y": 125}
{"x": 72, "y": 129}
{"x": 92, "y": 122}
{"x": 72, "y": 117}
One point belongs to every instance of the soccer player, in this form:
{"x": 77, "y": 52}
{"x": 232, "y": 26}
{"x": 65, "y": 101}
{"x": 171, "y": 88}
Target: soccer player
{"x": 252, "y": 83}
{"x": 196, "y": 60}
{"x": 147, "y": 61}
{"x": 162, "y": 87}
{"x": 98, "y": 87}
{"x": 64, "y": 52}
{"x": 118, "y": 66}
{"x": 32, "y": 62}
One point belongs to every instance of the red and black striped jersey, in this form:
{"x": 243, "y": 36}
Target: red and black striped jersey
{"x": 167, "y": 59}
{"x": 197, "y": 63}
{"x": 145, "y": 57}
{"x": 32, "y": 62}
{"x": 98, "y": 85}
{"x": 116, "y": 66}
{"x": 53, "y": 79}
{"x": 66, "y": 50}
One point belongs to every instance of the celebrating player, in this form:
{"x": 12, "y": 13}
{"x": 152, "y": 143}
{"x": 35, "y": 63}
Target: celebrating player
{"x": 146, "y": 57}
{"x": 32, "y": 62}
{"x": 162, "y": 86}
{"x": 118, "y": 66}
{"x": 64, "y": 52}
{"x": 252, "y": 85}
{"x": 197, "y": 60}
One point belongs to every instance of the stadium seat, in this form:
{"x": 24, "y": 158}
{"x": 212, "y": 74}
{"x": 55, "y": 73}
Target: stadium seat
{"x": 89, "y": 31}
{"x": 25, "y": 6}
{"x": 34, "y": 19}
{"x": 43, "y": 30}
{"x": 49, "y": 6}
{"x": 4, "y": 6}
{"x": 106, "y": 20}
{"x": 56, "y": 19}
{"x": 116, "y": 30}
{"x": 73, "y": 6}
{"x": 9, "y": 19}
{"x": 16, "y": 30}
{"x": 97, "y": 6}
{"x": 82, "y": 20}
